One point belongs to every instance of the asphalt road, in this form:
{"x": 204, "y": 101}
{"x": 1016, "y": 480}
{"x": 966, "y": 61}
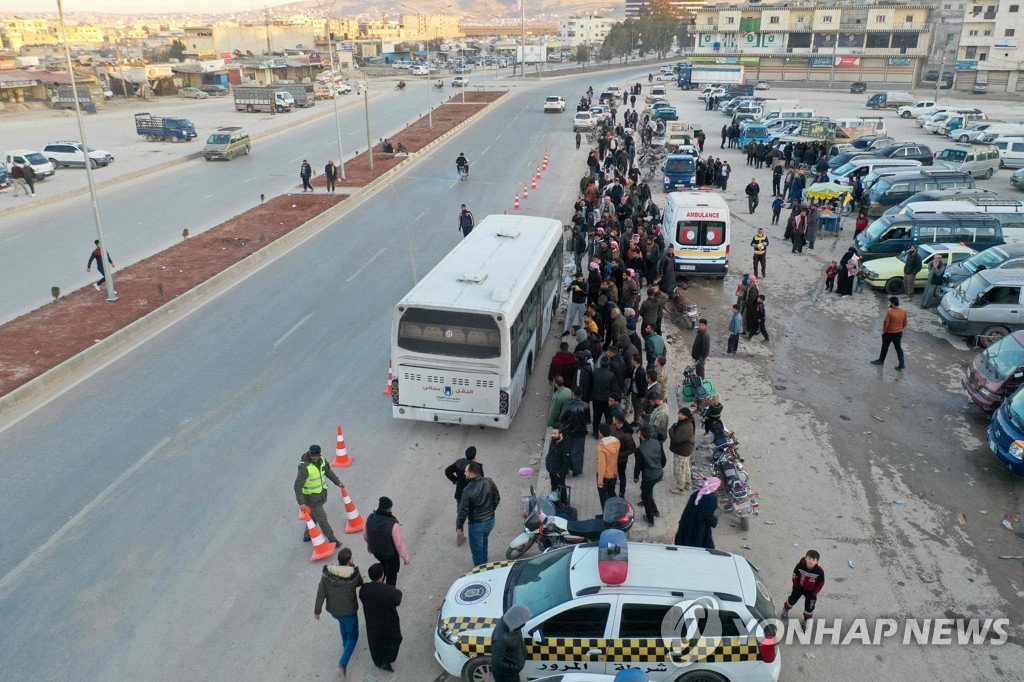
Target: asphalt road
{"x": 50, "y": 244}
{"x": 168, "y": 523}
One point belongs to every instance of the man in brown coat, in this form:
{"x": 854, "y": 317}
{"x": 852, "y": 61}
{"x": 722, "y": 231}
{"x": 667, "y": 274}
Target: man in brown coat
{"x": 892, "y": 332}
{"x": 681, "y": 442}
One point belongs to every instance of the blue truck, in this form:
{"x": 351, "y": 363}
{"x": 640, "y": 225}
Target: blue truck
{"x": 164, "y": 128}
{"x": 679, "y": 170}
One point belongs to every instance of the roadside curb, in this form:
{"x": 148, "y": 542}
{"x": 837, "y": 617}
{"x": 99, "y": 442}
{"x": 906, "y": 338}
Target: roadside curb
{"x": 169, "y": 312}
{"x": 70, "y": 194}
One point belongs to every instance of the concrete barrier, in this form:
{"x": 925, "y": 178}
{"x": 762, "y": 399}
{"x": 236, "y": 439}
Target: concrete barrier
{"x": 176, "y": 308}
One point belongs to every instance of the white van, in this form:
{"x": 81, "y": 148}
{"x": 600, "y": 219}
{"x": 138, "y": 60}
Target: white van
{"x": 860, "y": 167}
{"x": 26, "y": 157}
{"x": 862, "y": 125}
{"x": 978, "y": 160}
{"x": 933, "y": 122}
{"x": 699, "y": 227}
{"x": 997, "y": 130}
{"x": 789, "y": 114}
{"x": 1011, "y": 151}
{"x": 959, "y": 120}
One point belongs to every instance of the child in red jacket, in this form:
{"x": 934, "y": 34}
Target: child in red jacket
{"x": 808, "y": 579}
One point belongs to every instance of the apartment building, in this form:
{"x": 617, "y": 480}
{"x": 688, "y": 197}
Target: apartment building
{"x": 682, "y": 7}
{"x": 583, "y": 30}
{"x": 430, "y": 26}
{"x": 990, "y": 48}
{"x": 841, "y": 42}
{"x": 214, "y": 41}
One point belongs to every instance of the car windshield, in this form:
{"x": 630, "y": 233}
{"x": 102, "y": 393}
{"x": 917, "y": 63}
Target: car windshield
{"x": 680, "y": 165}
{"x": 969, "y": 289}
{"x": 986, "y": 260}
{"x": 879, "y": 188}
{"x": 540, "y": 583}
{"x": 35, "y": 158}
{"x": 1000, "y": 359}
{"x": 218, "y": 139}
{"x": 1016, "y": 409}
{"x": 875, "y": 229}
{"x": 552, "y": 99}
{"x": 844, "y": 169}
{"x": 957, "y": 155}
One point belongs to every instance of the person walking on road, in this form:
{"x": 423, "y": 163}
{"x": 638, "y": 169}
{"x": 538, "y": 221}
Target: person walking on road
{"x": 338, "y": 587}
{"x": 331, "y": 173}
{"x": 97, "y": 257}
{"x": 18, "y": 176}
{"x": 911, "y": 266}
{"x": 808, "y": 579}
{"x": 760, "y": 316}
{"x": 466, "y": 221}
{"x": 701, "y": 347}
{"x": 383, "y": 536}
{"x": 735, "y": 329}
{"x": 681, "y": 442}
{"x": 311, "y": 490}
{"x": 579, "y": 139}
{"x": 456, "y": 472}
{"x": 479, "y": 501}
{"x": 650, "y": 463}
{"x": 698, "y": 517}
{"x": 753, "y": 192}
{"x": 557, "y": 462}
{"x": 306, "y": 173}
{"x": 760, "y": 244}
{"x": 508, "y": 648}
{"x": 380, "y": 611}
{"x": 892, "y": 332}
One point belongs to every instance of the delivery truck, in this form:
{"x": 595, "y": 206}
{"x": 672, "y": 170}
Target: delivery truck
{"x": 90, "y": 97}
{"x": 534, "y": 54}
{"x": 716, "y": 74}
{"x": 262, "y": 98}
{"x": 304, "y": 94}
{"x": 164, "y": 128}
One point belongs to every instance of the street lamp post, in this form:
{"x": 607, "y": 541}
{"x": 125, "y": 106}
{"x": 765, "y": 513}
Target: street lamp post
{"x": 369, "y": 139}
{"x": 942, "y": 66}
{"x": 104, "y": 259}
{"x": 334, "y": 93}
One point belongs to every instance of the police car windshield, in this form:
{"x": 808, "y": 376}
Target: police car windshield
{"x": 541, "y": 583}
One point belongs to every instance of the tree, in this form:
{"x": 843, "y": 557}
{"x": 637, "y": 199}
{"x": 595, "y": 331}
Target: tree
{"x": 621, "y": 39}
{"x": 658, "y": 24}
{"x": 582, "y": 54}
{"x": 177, "y": 49}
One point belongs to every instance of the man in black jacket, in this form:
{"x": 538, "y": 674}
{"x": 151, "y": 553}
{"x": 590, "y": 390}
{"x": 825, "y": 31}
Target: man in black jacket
{"x": 338, "y": 587}
{"x": 479, "y": 501}
{"x": 701, "y": 348}
{"x": 575, "y": 420}
{"x": 456, "y": 472}
{"x": 508, "y": 650}
{"x": 650, "y": 462}
{"x": 578, "y": 290}
{"x": 557, "y": 462}
{"x": 605, "y": 383}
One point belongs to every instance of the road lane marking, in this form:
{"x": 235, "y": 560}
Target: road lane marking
{"x": 207, "y": 196}
{"x": 301, "y": 156}
{"x": 245, "y": 181}
{"x": 372, "y": 258}
{"x": 58, "y": 537}
{"x": 486, "y": 149}
{"x": 498, "y": 137}
{"x": 420, "y": 216}
{"x": 292, "y": 330}
{"x": 11, "y": 239}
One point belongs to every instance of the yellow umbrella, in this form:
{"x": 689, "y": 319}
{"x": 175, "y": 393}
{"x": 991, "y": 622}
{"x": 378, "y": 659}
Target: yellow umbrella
{"x": 827, "y": 191}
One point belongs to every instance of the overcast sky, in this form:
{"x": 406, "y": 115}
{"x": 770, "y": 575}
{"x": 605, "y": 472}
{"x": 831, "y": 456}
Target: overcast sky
{"x": 133, "y": 6}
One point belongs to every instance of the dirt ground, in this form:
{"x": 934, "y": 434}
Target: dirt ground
{"x": 42, "y": 339}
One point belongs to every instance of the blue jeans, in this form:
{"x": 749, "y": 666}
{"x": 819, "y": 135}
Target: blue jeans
{"x": 478, "y": 533}
{"x": 349, "y": 626}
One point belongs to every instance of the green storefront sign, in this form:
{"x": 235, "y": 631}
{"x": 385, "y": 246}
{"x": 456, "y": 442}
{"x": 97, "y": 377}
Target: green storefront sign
{"x": 899, "y": 62}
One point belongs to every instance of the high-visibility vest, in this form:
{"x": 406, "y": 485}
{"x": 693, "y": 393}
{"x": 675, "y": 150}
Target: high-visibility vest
{"x": 760, "y": 244}
{"x": 316, "y": 482}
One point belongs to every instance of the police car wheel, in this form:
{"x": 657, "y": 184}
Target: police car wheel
{"x": 701, "y": 676}
{"x": 478, "y": 670}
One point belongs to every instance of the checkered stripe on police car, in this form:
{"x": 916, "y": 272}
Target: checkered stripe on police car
{"x": 625, "y": 650}
{"x": 459, "y": 624}
{"x": 561, "y": 649}
{"x": 720, "y": 650}
{"x": 487, "y": 567}
{"x": 474, "y": 646}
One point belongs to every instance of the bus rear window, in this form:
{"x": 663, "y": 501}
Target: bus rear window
{"x": 443, "y": 332}
{"x": 700, "y": 233}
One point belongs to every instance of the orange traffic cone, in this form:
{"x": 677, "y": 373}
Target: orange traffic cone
{"x": 341, "y": 457}
{"x": 355, "y": 521}
{"x": 321, "y": 548}
{"x": 538, "y": 173}
{"x": 545, "y": 166}
{"x": 387, "y": 389}
{"x": 515, "y": 206}
{"x": 533, "y": 183}
{"x": 526, "y": 192}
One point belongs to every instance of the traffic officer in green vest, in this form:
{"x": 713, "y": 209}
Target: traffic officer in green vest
{"x": 311, "y": 490}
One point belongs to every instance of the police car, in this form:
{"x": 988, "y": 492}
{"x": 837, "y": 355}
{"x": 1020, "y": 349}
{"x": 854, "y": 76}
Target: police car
{"x": 680, "y": 614}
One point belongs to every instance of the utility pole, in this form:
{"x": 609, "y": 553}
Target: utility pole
{"x": 832, "y": 68}
{"x": 266, "y": 26}
{"x": 522, "y": 70}
{"x": 942, "y": 66}
{"x": 366, "y": 103}
{"x": 104, "y": 258}
{"x": 120, "y": 65}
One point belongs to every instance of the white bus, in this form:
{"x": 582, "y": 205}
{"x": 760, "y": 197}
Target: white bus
{"x": 466, "y": 336}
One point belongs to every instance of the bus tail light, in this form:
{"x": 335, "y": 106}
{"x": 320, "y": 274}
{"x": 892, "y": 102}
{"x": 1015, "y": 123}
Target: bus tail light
{"x": 503, "y": 402}
{"x": 394, "y": 390}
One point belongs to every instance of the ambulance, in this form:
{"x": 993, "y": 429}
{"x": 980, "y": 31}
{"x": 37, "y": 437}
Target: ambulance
{"x": 698, "y": 226}
{"x": 678, "y": 613}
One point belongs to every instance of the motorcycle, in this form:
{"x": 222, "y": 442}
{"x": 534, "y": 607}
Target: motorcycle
{"x": 439, "y": 86}
{"x": 400, "y": 87}
{"x": 463, "y": 172}
{"x": 696, "y": 390}
{"x": 552, "y": 523}
{"x": 685, "y": 307}
{"x": 734, "y": 493}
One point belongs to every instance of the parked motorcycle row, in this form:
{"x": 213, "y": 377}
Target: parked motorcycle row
{"x": 725, "y": 462}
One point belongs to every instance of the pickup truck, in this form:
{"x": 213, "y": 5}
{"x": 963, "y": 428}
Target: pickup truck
{"x": 164, "y": 128}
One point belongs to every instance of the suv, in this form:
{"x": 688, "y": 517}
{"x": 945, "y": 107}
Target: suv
{"x": 554, "y": 103}
{"x": 598, "y": 607}
{"x": 907, "y": 150}
{"x": 460, "y": 82}
{"x": 63, "y": 153}
{"x": 857, "y": 87}
{"x": 583, "y": 120}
